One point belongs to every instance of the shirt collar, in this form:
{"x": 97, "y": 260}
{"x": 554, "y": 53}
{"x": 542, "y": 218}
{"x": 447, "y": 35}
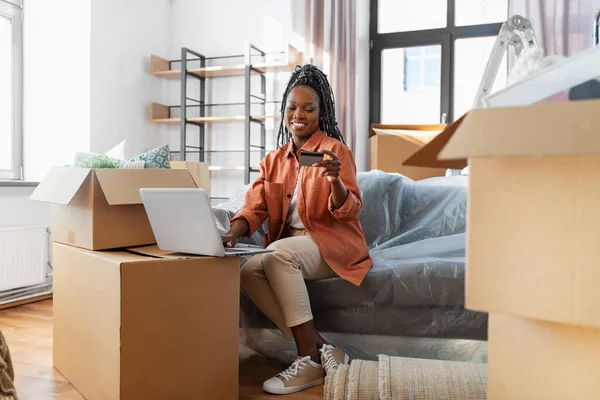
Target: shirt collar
{"x": 311, "y": 144}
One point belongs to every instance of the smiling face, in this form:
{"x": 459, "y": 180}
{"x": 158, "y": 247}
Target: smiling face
{"x": 302, "y": 114}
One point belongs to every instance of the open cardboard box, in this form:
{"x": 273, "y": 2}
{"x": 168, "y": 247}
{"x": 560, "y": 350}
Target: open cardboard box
{"x": 101, "y": 209}
{"x": 392, "y": 144}
{"x": 146, "y": 324}
{"x": 533, "y": 218}
{"x": 199, "y": 170}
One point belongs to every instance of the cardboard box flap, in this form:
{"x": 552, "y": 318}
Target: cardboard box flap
{"x": 122, "y": 186}
{"x": 377, "y": 129}
{"x": 417, "y": 137}
{"x": 197, "y": 180}
{"x": 567, "y": 128}
{"x": 156, "y": 252}
{"x": 60, "y": 185}
{"x": 427, "y": 156}
{"x": 118, "y": 256}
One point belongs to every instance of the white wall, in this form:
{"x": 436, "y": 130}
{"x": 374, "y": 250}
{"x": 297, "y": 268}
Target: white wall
{"x": 56, "y": 109}
{"x": 123, "y": 36}
{"x": 220, "y": 28}
{"x": 87, "y": 81}
{"x": 17, "y": 210}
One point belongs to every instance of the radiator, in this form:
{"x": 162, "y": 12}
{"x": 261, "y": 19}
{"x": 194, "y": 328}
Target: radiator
{"x": 25, "y": 268}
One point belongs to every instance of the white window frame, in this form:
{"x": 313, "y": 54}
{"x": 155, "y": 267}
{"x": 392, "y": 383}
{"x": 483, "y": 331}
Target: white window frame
{"x": 13, "y": 10}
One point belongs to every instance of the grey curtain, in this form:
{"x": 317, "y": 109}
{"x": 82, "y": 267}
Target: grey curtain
{"x": 328, "y": 29}
{"x": 562, "y": 27}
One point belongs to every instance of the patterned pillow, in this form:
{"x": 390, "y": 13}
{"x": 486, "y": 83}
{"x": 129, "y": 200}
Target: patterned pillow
{"x": 156, "y": 158}
{"x": 134, "y": 165}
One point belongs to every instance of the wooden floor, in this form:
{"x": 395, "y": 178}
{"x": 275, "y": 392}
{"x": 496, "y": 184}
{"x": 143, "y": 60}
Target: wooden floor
{"x": 28, "y": 331}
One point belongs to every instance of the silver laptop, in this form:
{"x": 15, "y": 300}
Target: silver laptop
{"x": 182, "y": 221}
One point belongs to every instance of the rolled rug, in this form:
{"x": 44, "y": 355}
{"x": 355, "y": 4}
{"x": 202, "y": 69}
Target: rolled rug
{"x": 363, "y": 381}
{"x": 421, "y": 379}
{"x": 7, "y": 376}
{"x": 335, "y": 384}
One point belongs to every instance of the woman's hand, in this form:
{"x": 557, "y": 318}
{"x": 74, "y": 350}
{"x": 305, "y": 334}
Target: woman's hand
{"x": 237, "y": 230}
{"x": 229, "y": 240}
{"x": 330, "y": 167}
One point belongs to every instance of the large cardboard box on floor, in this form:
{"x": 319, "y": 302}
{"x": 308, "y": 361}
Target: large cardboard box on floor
{"x": 531, "y": 359}
{"x": 533, "y": 219}
{"x": 161, "y": 326}
{"x": 392, "y": 144}
{"x": 100, "y": 209}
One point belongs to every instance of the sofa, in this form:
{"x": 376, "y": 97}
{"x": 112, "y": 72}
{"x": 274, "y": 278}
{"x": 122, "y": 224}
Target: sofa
{"x": 411, "y": 303}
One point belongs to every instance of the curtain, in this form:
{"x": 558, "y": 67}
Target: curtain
{"x": 327, "y": 29}
{"x": 562, "y": 27}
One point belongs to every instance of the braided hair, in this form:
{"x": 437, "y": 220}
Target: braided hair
{"x": 310, "y": 76}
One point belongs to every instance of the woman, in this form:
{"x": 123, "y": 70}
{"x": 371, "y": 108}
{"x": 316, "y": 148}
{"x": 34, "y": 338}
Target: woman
{"x": 313, "y": 227}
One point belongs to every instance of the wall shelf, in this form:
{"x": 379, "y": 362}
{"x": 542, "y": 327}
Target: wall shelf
{"x": 161, "y": 114}
{"x": 160, "y": 68}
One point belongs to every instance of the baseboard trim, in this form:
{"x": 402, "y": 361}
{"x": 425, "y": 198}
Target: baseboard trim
{"x": 21, "y": 302}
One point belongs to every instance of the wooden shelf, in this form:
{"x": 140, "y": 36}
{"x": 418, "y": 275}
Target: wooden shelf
{"x": 213, "y": 120}
{"x": 160, "y": 67}
{"x": 159, "y": 114}
{"x": 217, "y": 72}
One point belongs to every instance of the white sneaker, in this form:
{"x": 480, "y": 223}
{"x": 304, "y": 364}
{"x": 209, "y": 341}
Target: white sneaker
{"x": 332, "y": 357}
{"x": 301, "y": 375}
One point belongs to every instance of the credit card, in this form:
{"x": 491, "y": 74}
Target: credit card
{"x": 308, "y": 158}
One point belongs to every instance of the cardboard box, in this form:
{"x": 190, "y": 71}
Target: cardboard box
{"x": 199, "y": 171}
{"x": 131, "y": 326}
{"x": 101, "y": 209}
{"x": 533, "y": 219}
{"x": 530, "y": 359}
{"x": 392, "y": 144}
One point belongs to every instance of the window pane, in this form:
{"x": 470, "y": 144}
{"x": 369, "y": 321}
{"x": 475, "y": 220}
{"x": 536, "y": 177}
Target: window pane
{"x": 432, "y": 72}
{"x": 410, "y": 86}
{"x": 6, "y": 106}
{"x": 412, "y": 75}
{"x": 411, "y": 15}
{"x": 469, "y": 12}
{"x": 413, "y": 52}
{"x": 470, "y": 59}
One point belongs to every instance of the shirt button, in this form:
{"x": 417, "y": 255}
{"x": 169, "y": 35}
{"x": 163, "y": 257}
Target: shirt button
{"x": 289, "y": 196}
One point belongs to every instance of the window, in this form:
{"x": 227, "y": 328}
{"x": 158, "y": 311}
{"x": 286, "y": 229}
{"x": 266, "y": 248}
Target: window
{"x": 412, "y": 77}
{"x": 422, "y": 68}
{"x": 428, "y": 57}
{"x": 11, "y": 89}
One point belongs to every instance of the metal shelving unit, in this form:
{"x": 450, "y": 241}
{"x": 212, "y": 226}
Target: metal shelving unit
{"x": 163, "y": 114}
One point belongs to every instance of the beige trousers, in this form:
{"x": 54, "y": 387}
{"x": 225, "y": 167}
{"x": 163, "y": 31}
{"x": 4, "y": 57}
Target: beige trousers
{"x": 275, "y": 281}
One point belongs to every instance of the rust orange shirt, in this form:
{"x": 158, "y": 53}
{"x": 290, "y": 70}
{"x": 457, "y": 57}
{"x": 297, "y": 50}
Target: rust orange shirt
{"x": 337, "y": 232}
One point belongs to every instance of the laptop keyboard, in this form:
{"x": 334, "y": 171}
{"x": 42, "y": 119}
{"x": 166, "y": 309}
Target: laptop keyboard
{"x": 234, "y": 250}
